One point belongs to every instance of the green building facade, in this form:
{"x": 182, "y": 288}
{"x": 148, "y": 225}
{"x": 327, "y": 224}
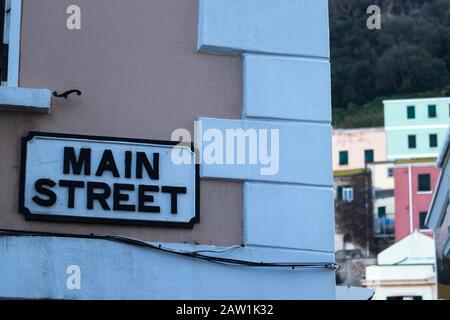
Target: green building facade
{"x": 415, "y": 128}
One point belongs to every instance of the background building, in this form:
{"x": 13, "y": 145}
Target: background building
{"x": 415, "y": 128}
{"x": 415, "y": 131}
{"x": 354, "y": 217}
{"x": 383, "y": 200}
{"x": 364, "y": 200}
{"x": 405, "y": 271}
{"x": 354, "y": 148}
{"x": 415, "y": 181}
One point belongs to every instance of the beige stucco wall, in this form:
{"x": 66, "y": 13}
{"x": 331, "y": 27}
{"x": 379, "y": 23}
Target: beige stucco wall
{"x": 380, "y": 175}
{"x": 355, "y": 141}
{"x": 141, "y": 76}
{"x": 401, "y": 280}
{"x": 427, "y": 292}
{"x": 389, "y": 203}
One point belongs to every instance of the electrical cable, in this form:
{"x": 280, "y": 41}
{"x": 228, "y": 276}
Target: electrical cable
{"x": 190, "y": 254}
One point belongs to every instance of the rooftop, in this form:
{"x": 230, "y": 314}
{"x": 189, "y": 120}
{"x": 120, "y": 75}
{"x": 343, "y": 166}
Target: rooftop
{"x": 362, "y": 130}
{"x": 418, "y": 100}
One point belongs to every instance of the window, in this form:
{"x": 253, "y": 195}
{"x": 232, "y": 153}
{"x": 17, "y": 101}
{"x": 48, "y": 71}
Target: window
{"x": 343, "y": 158}
{"x": 411, "y": 141}
{"x": 422, "y": 217}
{"x": 432, "y": 111}
{"x": 424, "y": 182}
{"x": 10, "y": 12}
{"x": 411, "y": 112}
{"x": 381, "y": 212}
{"x": 347, "y": 194}
{"x": 433, "y": 140}
{"x": 368, "y": 156}
{"x": 390, "y": 172}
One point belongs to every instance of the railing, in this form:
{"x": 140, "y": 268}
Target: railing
{"x": 384, "y": 227}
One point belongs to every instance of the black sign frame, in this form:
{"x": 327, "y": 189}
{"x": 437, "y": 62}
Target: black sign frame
{"x": 95, "y": 220}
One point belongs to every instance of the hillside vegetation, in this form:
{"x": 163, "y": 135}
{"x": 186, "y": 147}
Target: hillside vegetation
{"x": 409, "y": 56}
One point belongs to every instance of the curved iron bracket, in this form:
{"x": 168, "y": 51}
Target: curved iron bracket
{"x": 66, "y": 94}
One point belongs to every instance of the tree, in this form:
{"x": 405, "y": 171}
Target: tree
{"x": 408, "y": 68}
{"x": 410, "y": 54}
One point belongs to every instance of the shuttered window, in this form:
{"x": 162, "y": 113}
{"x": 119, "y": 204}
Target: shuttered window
{"x": 411, "y": 112}
{"x": 343, "y": 158}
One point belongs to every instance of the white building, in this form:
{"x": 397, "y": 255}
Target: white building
{"x": 405, "y": 271}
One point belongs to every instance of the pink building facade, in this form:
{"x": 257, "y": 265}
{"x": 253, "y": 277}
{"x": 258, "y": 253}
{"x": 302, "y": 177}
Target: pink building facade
{"x": 414, "y": 187}
{"x": 354, "y": 148}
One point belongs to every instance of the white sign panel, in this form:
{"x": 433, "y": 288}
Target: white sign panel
{"x": 107, "y": 180}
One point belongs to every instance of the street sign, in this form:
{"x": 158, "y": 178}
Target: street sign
{"x": 107, "y": 180}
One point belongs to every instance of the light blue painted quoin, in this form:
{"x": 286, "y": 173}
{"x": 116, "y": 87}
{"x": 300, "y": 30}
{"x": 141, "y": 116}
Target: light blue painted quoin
{"x": 288, "y": 27}
{"x": 287, "y": 88}
{"x": 294, "y": 216}
{"x": 304, "y": 152}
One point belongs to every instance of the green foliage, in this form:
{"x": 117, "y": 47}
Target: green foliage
{"x": 410, "y": 54}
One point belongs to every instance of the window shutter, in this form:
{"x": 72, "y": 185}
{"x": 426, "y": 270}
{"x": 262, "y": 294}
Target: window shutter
{"x": 411, "y": 112}
{"x": 339, "y": 193}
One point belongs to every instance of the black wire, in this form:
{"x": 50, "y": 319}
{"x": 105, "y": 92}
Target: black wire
{"x": 195, "y": 255}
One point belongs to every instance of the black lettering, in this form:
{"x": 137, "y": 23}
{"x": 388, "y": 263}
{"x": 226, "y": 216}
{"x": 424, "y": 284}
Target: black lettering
{"x": 43, "y": 186}
{"x": 174, "y": 192}
{"x": 71, "y": 186}
{"x": 100, "y": 197}
{"x": 119, "y": 197}
{"x": 142, "y": 162}
{"x": 144, "y": 198}
{"x": 107, "y": 164}
{"x": 71, "y": 161}
{"x": 128, "y": 156}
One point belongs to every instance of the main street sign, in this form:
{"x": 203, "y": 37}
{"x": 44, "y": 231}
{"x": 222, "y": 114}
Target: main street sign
{"x": 107, "y": 180}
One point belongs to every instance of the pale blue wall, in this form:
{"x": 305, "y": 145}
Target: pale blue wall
{"x": 35, "y": 268}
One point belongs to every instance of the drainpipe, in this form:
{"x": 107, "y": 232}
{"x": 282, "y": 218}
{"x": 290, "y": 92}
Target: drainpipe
{"x": 411, "y": 226}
